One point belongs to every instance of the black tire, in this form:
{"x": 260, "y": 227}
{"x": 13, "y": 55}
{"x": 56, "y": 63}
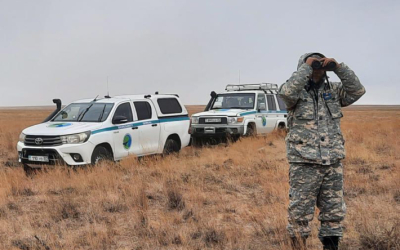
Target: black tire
{"x": 171, "y": 146}
{"x": 233, "y": 138}
{"x": 100, "y": 154}
{"x": 197, "y": 142}
{"x": 251, "y": 130}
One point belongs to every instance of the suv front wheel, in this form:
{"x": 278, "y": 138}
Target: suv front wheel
{"x": 251, "y": 130}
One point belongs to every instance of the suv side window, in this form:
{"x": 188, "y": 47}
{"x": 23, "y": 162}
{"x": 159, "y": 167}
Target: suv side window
{"x": 282, "y": 105}
{"x": 271, "y": 102}
{"x": 124, "y": 110}
{"x": 261, "y": 100}
{"x": 169, "y": 106}
{"x": 143, "y": 110}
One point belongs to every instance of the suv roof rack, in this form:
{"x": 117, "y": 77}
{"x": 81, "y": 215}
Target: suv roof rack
{"x": 270, "y": 87}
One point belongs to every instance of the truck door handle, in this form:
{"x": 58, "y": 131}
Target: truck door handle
{"x": 135, "y": 127}
{"x": 154, "y": 125}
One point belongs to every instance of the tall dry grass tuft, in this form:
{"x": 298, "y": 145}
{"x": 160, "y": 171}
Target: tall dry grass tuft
{"x": 227, "y": 196}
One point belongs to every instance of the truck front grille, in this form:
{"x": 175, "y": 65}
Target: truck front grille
{"x": 203, "y": 120}
{"x": 42, "y": 140}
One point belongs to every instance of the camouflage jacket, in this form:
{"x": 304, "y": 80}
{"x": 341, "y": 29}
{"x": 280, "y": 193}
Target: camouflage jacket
{"x": 314, "y": 125}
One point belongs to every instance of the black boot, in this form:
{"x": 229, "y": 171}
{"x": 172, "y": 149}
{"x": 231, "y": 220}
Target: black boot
{"x": 298, "y": 244}
{"x": 331, "y": 243}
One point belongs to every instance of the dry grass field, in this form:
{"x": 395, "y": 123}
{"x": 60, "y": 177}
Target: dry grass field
{"x": 218, "y": 197}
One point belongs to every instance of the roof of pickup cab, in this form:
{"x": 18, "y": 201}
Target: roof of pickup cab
{"x": 116, "y": 99}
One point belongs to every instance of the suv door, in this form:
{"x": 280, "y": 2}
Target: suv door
{"x": 261, "y": 121}
{"x": 149, "y": 133}
{"x": 126, "y": 136}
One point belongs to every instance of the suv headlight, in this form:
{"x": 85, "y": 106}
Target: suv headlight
{"x": 75, "y": 138}
{"x": 235, "y": 120}
{"x": 195, "y": 120}
{"x": 22, "y": 137}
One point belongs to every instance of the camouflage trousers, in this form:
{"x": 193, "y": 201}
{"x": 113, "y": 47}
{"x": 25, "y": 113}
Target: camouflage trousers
{"x": 310, "y": 185}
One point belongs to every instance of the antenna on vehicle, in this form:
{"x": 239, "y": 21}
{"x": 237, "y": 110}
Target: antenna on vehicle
{"x": 108, "y": 92}
{"x": 239, "y": 76}
{"x": 95, "y": 99}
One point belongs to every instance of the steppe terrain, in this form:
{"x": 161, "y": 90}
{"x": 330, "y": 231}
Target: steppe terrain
{"x": 218, "y": 197}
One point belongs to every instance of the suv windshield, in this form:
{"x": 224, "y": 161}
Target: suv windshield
{"x": 84, "y": 112}
{"x": 234, "y": 101}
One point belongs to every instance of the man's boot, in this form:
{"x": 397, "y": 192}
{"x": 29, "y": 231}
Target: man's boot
{"x": 331, "y": 242}
{"x": 298, "y": 244}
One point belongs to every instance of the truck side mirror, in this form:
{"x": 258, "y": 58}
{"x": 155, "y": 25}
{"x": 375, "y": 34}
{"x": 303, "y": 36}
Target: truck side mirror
{"x": 261, "y": 106}
{"x": 119, "y": 119}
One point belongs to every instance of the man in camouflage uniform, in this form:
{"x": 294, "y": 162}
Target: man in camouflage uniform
{"x": 315, "y": 147}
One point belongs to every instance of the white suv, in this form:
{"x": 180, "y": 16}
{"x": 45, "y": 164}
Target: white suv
{"x": 87, "y": 131}
{"x": 244, "y": 109}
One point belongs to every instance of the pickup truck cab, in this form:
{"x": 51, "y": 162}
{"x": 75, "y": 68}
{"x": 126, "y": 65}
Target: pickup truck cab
{"x": 87, "y": 131}
{"x": 244, "y": 109}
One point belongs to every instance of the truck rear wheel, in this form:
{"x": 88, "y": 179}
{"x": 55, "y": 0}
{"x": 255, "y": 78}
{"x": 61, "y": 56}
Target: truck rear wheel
{"x": 171, "y": 146}
{"x": 100, "y": 154}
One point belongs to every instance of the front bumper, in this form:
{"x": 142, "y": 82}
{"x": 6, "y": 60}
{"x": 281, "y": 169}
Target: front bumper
{"x": 57, "y": 155}
{"x": 207, "y": 130}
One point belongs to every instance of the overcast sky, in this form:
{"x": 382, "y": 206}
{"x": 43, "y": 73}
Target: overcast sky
{"x": 66, "y": 49}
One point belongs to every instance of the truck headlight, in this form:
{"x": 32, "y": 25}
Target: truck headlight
{"x": 75, "y": 138}
{"x": 22, "y": 137}
{"x": 195, "y": 120}
{"x": 235, "y": 120}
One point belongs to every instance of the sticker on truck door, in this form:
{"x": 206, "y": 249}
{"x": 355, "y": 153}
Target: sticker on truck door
{"x": 127, "y": 141}
{"x": 264, "y": 121}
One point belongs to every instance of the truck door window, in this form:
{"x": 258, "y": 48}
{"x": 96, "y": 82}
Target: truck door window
{"x": 260, "y": 101}
{"x": 143, "y": 110}
{"x": 124, "y": 110}
{"x": 169, "y": 106}
{"x": 282, "y": 105}
{"x": 271, "y": 102}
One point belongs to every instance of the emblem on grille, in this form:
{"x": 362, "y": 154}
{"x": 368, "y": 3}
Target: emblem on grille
{"x": 38, "y": 141}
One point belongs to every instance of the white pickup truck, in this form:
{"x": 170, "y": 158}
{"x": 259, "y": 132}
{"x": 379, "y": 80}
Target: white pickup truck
{"x": 88, "y": 131}
{"x": 244, "y": 109}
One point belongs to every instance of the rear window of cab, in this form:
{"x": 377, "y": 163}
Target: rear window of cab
{"x": 169, "y": 106}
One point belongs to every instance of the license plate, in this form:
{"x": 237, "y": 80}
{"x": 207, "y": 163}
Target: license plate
{"x": 38, "y": 158}
{"x": 209, "y": 120}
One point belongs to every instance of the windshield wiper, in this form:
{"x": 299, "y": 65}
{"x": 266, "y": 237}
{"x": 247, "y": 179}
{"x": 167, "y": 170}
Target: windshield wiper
{"x": 102, "y": 113}
{"x": 84, "y": 112}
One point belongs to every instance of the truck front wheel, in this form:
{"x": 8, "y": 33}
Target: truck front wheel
{"x": 100, "y": 154}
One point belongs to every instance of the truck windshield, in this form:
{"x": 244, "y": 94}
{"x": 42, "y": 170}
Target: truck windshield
{"x": 84, "y": 112}
{"x": 234, "y": 101}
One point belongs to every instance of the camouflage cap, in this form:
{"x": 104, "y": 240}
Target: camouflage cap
{"x": 304, "y": 57}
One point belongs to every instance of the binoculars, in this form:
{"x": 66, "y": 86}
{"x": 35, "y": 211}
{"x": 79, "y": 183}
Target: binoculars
{"x": 318, "y": 65}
